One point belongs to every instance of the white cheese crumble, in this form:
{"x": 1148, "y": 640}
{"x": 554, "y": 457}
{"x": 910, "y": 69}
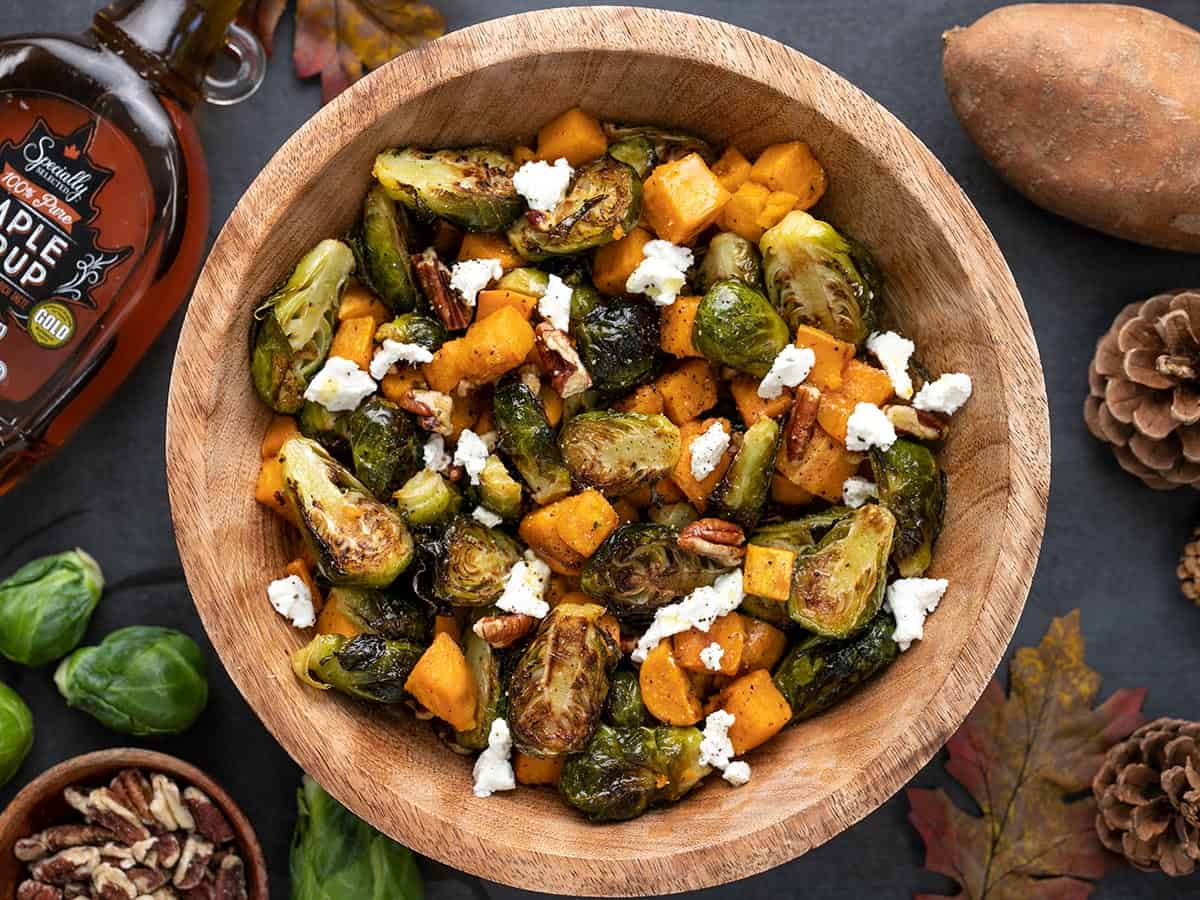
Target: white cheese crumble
{"x": 340, "y": 385}
{"x": 434, "y": 454}
{"x": 707, "y": 450}
{"x": 490, "y": 440}
{"x": 392, "y": 352}
{"x": 857, "y": 491}
{"x": 524, "y": 587}
{"x": 555, "y": 305}
{"x": 493, "y": 770}
{"x": 893, "y": 353}
{"x": 293, "y": 600}
{"x": 471, "y": 453}
{"x": 543, "y": 185}
{"x": 790, "y": 368}
{"x": 485, "y": 516}
{"x": 869, "y": 427}
{"x": 946, "y": 395}
{"x": 711, "y": 656}
{"x": 737, "y": 772}
{"x": 698, "y": 610}
{"x": 661, "y": 273}
{"x": 716, "y": 749}
{"x": 471, "y": 276}
{"x": 910, "y": 601}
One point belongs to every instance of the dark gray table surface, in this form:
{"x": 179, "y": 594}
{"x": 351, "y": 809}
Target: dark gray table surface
{"x": 1111, "y": 545}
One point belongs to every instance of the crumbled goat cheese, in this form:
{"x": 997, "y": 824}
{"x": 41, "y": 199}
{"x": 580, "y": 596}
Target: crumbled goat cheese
{"x": 857, "y": 491}
{"x": 711, "y": 656}
{"x": 789, "y": 369}
{"x": 471, "y": 276}
{"x": 698, "y": 610}
{"x": 946, "y": 395}
{"x": 524, "y": 587}
{"x": 493, "y": 770}
{"x": 435, "y": 455}
{"x": 893, "y": 353}
{"x": 869, "y": 427}
{"x": 340, "y": 385}
{"x": 737, "y": 772}
{"x": 716, "y": 749}
{"x": 393, "y": 352}
{"x": 293, "y": 600}
{"x": 707, "y": 450}
{"x": 485, "y": 516}
{"x": 910, "y": 601}
{"x": 661, "y": 273}
{"x": 471, "y": 453}
{"x": 543, "y": 185}
{"x": 555, "y": 305}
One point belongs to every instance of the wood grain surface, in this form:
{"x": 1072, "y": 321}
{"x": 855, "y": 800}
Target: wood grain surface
{"x": 948, "y": 286}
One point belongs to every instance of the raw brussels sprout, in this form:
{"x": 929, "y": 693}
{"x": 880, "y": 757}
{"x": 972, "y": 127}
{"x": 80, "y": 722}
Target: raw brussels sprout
{"x": 616, "y": 452}
{"x": 641, "y": 567}
{"x": 428, "y": 499}
{"x": 388, "y": 614}
{"x": 674, "y": 515}
{"x": 357, "y": 540}
{"x": 528, "y": 439}
{"x": 45, "y": 607}
{"x": 731, "y": 257}
{"x": 369, "y": 667}
{"x": 329, "y": 429}
{"x": 812, "y": 278}
{"x": 913, "y": 487}
{"x": 471, "y": 187}
{"x": 819, "y": 672}
{"x": 603, "y": 201}
{"x": 473, "y": 562}
{"x": 625, "y": 771}
{"x": 142, "y": 681}
{"x": 489, "y": 695}
{"x": 624, "y": 707}
{"x": 524, "y": 280}
{"x": 294, "y": 326}
{"x": 385, "y": 445}
{"x": 618, "y": 342}
{"x": 413, "y": 328}
{"x": 559, "y": 685}
{"x": 637, "y": 152}
{"x": 16, "y": 732}
{"x": 666, "y": 145}
{"x": 736, "y": 326}
{"x": 385, "y": 251}
{"x": 498, "y": 490}
{"x": 742, "y": 492}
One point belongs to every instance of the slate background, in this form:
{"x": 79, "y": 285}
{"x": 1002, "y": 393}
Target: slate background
{"x": 1111, "y": 545}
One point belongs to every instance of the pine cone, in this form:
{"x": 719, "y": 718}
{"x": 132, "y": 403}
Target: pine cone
{"x": 1189, "y": 568}
{"x": 1148, "y": 791}
{"x": 1144, "y": 390}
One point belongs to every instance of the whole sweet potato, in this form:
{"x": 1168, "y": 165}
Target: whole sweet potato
{"x": 1090, "y": 110}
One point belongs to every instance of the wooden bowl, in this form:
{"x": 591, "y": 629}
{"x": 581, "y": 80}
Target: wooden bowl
{"x": 948, "y": 286}
{"x": 40, "y": 804}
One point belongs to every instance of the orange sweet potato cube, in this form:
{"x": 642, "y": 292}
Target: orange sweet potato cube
{"x": 742, "y": 212}
{"x": 676, "y": 325}
{"x": 791, "y": 167}
{"x": 753, "y": 407}
{"x": 768, "y": 572}
{"x": 682, "y": 198}
{"x": 823, "y": 467}
{"x": 490, "y": 301}
{"x": 645, "y": 399}
{"x": 732, "y": 169}
{"x": 357, "y": 301}
{"x": 615, "y": 262}
{"x": 861, "y": 383}
{"x": 280, "y": 430}
{"x": 729, "y": 631}
{"x": 759, "y": 710}
{"x": 481, "y": 245}
{"x": 584, "y": 521}
{"x": 539, "y": 530}
{"x": 355, "y": 340}
{"x": 396, "y": 386}
{"x": 688, "y": 391}
{"x": 574, "y": 136}
{"x": 271, "y": 491}
{"x": 533, "y": 770}
{"x": 831, "y": 356}
{"x": 783, "y": 491}
{"x": 697, "y": 491}
{"x": 778, "y": 205}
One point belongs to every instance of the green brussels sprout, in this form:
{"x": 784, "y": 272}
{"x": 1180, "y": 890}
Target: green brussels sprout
{"x": 413, "y": 328}
{"x": 16, "y": 732}
{"x": 471, "y": 187}
{"x": 618, "y": 343}
{"x": 428, "y": 499}
{"x": 490, "y": 699}
{"x": 736, "y": 326}
{"x": 390, "y": 615}
{"x": 388, "y": 266}
{"x": 799, "y": 536}
{"x": 838, "y": 584}
{"x": 742, "y": 492}
{"x": 637, "y": 152}
{"x": 616, "y": 452}
{"x": 329, "y": 429}
{"x": 385, "y": 445}
{"x": 913, "y": 487}
{"x": 578, "y": 404}
{"x": 472, "y": 563}
{"x": 293, "y": 327}
{"x": 356, "y": 540}
{"x": 528, "y": 439}
{"x": 603, "y": 201}
{"x": 498, "y": 490}
{"x": 369, "y": 667}
{"x": 142, "y": 681}
{"x": 812, "y": 278}
{"x": 624, "y": 771}
{"x": 819, "y": 672}
{"x": 674, "y": 515}
{"x": 666, "y": 146}
{"x": 624, "y": 707}
{"x": 641, "y": 567}
{"x": 730, "y": 257}
{"x": 560, "y": 682}
{"x": 524, "y": 280}
{"x": 584, "y": 298}
{"x": 45, "y": 607}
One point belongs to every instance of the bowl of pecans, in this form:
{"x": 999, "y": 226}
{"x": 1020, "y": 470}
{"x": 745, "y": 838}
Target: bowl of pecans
{"x": 128, "y": 824}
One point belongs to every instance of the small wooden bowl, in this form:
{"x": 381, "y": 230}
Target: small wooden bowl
{"x": 948, "y": 286}
{"x": 40, "y": 804}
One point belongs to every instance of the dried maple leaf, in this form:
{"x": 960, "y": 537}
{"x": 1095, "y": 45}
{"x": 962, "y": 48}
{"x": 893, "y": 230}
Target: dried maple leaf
{"x": 1022, "y": 758}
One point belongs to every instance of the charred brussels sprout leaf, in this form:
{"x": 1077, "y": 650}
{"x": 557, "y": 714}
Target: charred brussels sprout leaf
{"x": 45, "y": 607}
{"x": 584, "y": 298}
{"x": 730, "y": 257}
{"x": 637, "y": 152}
{"x": 913, "y": 487}
{"x": 528, "y": 439}
{"x": 674, "y": 515}
{"x": 387, "y": 614}
{"x": 385, "y": 251}
{"x": 357, "y": 540}
{"x": 665, "y": 145}
{"x": 618, "y": 343}
{"x": 484, "y": 663}
{"x": 742, "y": 492}
{"x": 329, "y": 429}
{"x": 16, "y": 732}
{"x": 413, "y": 328}
{"x": 498, "y": 490}
{"x": 471, "y": 187}
{"x": 625, "y": 708}
{"x": 428, "y": 499}
{"x": 736, "y": 326}
{"x": 385, "y": 444}
{"x": 524, "y": 280}
{"x": 369, "y": 667}
{"x": 294, "y": 326}
{"x": 473, "y": 563}
{"x": 616, "y": 452}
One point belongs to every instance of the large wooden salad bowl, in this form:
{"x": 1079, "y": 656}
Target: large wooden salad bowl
{"x": 948, "y": 286}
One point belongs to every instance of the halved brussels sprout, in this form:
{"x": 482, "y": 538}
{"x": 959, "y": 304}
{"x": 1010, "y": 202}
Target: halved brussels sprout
{"x": 616, "y": 452}
{"x": 637, "y": 152}
{"x": 413, "y": 328}
{"x": 385, "y": 251}
{"x": 674, "y": 515}
{"x": 736, "y": 326}
{"x": 329, "y": 429}
{"x": 499, "y": 491}
{"x": 813, "y": 279}
{"x": 559, "y": 685}
{"x": 913, "y": 487}
{"x": 528, "y": 439}
{"x": 618, "y": 342}
{"x": 388, "y": 614}
{"x": 471, "y": 187}
{"x": 473, "y": 562}
{"x": 731, "y": 257}
{"x": 385, "y": 445}
{"x": 357, "y": 540}
{"x": 484, "y": 663}
{"x": 667, "y": 145}
{"x": 369, "y": 667}
{"x": 524, "y": 280}
{"x": 742, "y": 492}
{"x": 428, "y": 499}
{"x": 624, "y": 707}
{"x": 294, "y": 326}
{"x": 584, "y": 298}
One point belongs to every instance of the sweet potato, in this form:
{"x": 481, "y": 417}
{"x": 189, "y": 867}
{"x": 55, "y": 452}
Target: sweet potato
{"x": 491, "y": 347}
{"x": 615, "y": 262}
{"x": 575, "y": 136}
{"x": 732, "y": 169}
{"x": 302, "y": 570}
{"x": 729, "y": 631}
{"x": 490, "y": 301}
{"x": 697, "y": 491}
{"x": 677, "y": 321}
{"x": 753, "y": 407}
{"x": 768, "y": 572}
{"x": 280, "y": 430}
{"x": 646, "y": 399}
{"x": 667, "y": 691}
{"x": 398, "y": 385}
{"x": 626, "y": 511}
{"x": 861, "y": 383}
{"x": 539, "y": 529}
{"x": 534, "y": 770}
{"x": 764, "y": 647}
{"x": 682, "y": 198}
{"x": 791, "y": 167}
{"x": 688, "y": 390}
{"x": 742, "y": 212}
{"x": 357, "y": 302}
{"x": 552, "y": 404}
{"x": 481, "y": 245}
{"x": 271, "y": 492}
{"x": 584, "y": 520}
{"x": 759, "y": 710}
{"x": 823, "y": 467}
{"x": 442, "y": 682}
{"x": 333, "y": 620}
{"x": 355, "y": 340}
{"x": 831, "y": 355}
{"x": 783, "y": 491}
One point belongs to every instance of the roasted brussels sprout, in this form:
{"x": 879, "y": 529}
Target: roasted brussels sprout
{"x": 665, "y": 145}
{"x": 385, "y": 445}
{"x": 294, "y": 326}
{"x": 673, "y": 515}
{"x": 489, "y": 695}
{"x": 385, "y": 251}
{"x": 798, "y": 534}
{"x": 616, "y": 452}
{"x": 730, "y": 257}
{"x": 471, "y": 187}
{"x": 16, "y": 732}
{"x": 742, "y": 492}
{"x": 428, "y": 499}
{"x": 498, "y": 490}
{"x": 528, "y": 439}
{"x": 357, "y": 540}
{"x": 560, "y": 683}
{"x": 625, "y": 771}
{"x": 584, "y": 298}
{"x": 45, "y": 607}
{"x": 637, "y": 152}
{"x": 813, "y": 280}
{"x": 388, "y": 614}
{"x": 913, "y": 487}
{"x": 369, "y": 667}
{"x": 329, "y": 429}
{"x": 524, "y": 280}
{"x": 618, "y": 342}
{"x": 413, "y": 328}
{"x": 603, "y": 202}
{"x": 624, "y": 707}
{"x": 819, "y": 672}
{"x": 736, "y": 326}
{"x": 473, "y": 563}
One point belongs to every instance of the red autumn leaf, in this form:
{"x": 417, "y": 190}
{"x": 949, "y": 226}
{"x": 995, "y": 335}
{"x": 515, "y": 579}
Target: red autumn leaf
{"x": 1023, "y": 759}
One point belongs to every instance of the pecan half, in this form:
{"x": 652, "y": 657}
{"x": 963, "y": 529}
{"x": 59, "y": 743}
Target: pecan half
{"x": 147, "y": 880}
{"x": 432, "y": 409}
{"x": 231, "y": 878}
{"x": 504, "y": 630}
{"x": 60, "y": 837}
{"x": 110, "y": 883}
{"x": 205, "y": 890}
{"x": 531, "y": 378}
{"x": 160, "y": 852}
{"x": 37, "y": 890}
{"x": 716, "y": 539}
{"x": 434, "y": 277}
{"x": 74, "y": 864}
{"x": 77, "y": 889}
{"x": 560, "y": 359}
{"x": 117, "y": 855}
{"x": 193, "y": 862}
{"x": 101, "y": 808}
{"x": 924, "y": 426}
{"x": 802, "y": 420}
{"x": 167, "y": 805}
{"x": 210, "y": 821}
{"x": 132, "y": 788}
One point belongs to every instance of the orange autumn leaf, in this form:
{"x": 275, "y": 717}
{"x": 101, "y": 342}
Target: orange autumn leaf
{"x": 1024, "y": 758}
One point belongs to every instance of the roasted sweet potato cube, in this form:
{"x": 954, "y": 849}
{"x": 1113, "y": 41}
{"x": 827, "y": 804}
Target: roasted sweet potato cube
{"x": 688, "y": 390}
{"x": 645, "y": 399}
{"x": 778, "y": 205}
{"x": 280, "y": 430}
{"x": 753, "y": 407}
{"x": 697, "y": 491}
{"x": 783, "y": 491}
{"x": 682, "y": 198}
{"x": 831, "y": 355}
{"x": 355, "y": 340}
{"x": 768, "y": 572}
{"x": 759, "y": 710}
{"x": 791, "y": 167}
{"x": 742, "y": 212}
{"x": 765, "y": 645}
{"x": 729, "y": 631}
{"x": 584, "y": 521}
{"x": 443, "y": 683}
{"x": 615, "y": 262}
{"x": 357, "y": 302}
{"x": 823, "y": 468}
{"x": 667, "y": 690}
{"x": 732, "y": 169}
{"x": 490, "y": 301}
{"x": 574, "y": 136}
{"x": 677, "y": 323}
{"x": 533, "y": 770}
{"x": 481, "y": 245}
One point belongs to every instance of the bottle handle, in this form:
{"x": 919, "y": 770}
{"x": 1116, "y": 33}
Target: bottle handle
{"x": 251, "y": 67}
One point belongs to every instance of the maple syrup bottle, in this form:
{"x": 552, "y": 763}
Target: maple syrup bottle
{"x": 104, "y": 202}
